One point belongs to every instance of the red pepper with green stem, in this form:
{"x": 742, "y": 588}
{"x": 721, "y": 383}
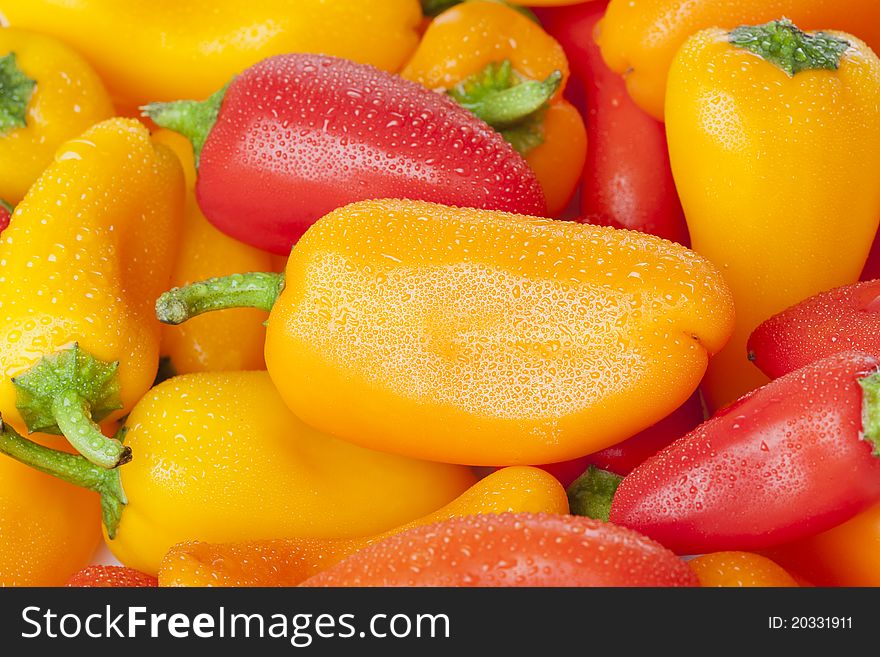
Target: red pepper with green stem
{"x": 296, "y": 136}
{"x": 627, "y": 180}
{"x": 789, "y": 460}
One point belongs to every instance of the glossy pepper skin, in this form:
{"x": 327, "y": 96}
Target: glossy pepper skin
{"x": 287, "y": 562}
{"x": 846, "y": 555}
{"x": 789, "y": 460}
{"x": 165, "y": 49}
{"x": 111, "y": 577}
{"x": 872, "y": 266}
{"x": 221, "y": 459}
{"x": 211, "y": 343}
{"x": 89, "y": 247}
{"x": 297, "y": 136}
{"x": 640, "y": 38}
{"x": 627, "y": 180}
{"x": 48, "y": 94}
{"x": 844, "y": 319}
{"x": 485, "y": 338}
{"x": 739, "y": 570}
{"x": 511, "y": 549}
{"x": 770, "y": 235}
{"x": 50, "y": 529}
{"x": 463, "y": 42}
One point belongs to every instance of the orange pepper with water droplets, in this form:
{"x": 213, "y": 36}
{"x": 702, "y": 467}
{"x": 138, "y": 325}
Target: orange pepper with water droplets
{"x": 86, "y": 251}
{"x": 211, "y": 343}
{"x": 287, "y": 562}
{"x": 478, "y": 337}
{"x": 739, "y": 569}
{"x": 507, "y": 70}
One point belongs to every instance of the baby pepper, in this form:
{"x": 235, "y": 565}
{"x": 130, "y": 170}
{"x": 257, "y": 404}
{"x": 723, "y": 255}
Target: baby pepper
{"x": 477, "y": 337}
{"x": 739, "y": 569}
{"x": 639, "y": 38}
{"x": 744, "y": 110}
{"x": 167, "y": 49}
{"x": 49, "y": 528}
{"x": 48, "y": 94}
{"x": 296, "y": 136}
{"x": 87, "y": 249}
{"x": 508, "y": 71}
{"x": 211, "y": 343}
{"x": 287, "y": 562}
{"x": 221, "y": 459}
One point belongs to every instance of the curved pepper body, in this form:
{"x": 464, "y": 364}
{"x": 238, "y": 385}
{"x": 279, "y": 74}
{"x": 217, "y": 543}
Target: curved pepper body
{"x": 735, "y": 136}
{"x": 111, "y": 577}
{"x": 288, "y": 562}
{"x": 164, "y": 49}
{"x": 219, "y": 458}
{"x": 639, "y": 38}
{"x": 464, "y": 40}
{"x": 50, "y": 528}
{"x": 484, "y": 338}
{"x": 739, "y": 569}
{"x": 300, "y": 135}
{"x": 844, "y": 319}
{"x": 211, "y": 343}
{"x": 787, "y": 461}
{"x": 92, "y": 243}
{"x": 67, "y": 97}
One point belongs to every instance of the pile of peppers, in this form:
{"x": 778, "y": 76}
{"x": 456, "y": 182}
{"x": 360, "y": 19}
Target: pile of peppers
{"x": 440, "y": 293}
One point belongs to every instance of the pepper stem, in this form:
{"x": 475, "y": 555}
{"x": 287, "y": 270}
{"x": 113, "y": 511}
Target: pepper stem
{"x": 194, "y": 119}
{"x": 73, "y": 417}
{"x": 871, "y": 410}
{"x": 16, "y": 89}
{"x": 591, "y": 494}
{"x": 252, "y": 290}
{"x": 72, "y": 468}
{"x": 783, "y": 44}
{"x": 434, "y": 8}
{"x": 6, "y": 206}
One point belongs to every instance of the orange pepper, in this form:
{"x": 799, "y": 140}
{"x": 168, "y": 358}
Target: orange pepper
{"x": 210, "y": 343}
{"x": 461, "y": 52}
{"x": 287, "y": 562}
{"x": 639, "y": 38}
{"x": 739, "y": 569}
{"x": 847, "y": 555}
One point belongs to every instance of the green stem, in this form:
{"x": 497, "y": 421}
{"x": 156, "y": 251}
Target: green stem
{"x": 436, "y": 7}
{"x": 194, "y": 119}
{"x": 16, "y": 90}
{"x": 6, "y": 206}
{"x": 781, "y": 43}
{"x": 509, "y": 107}
{"x": 71, "y": 468}
{"x": 252, "y": 290}
{"x": 591, "y": 494}
{"x": 73, "y": 416}
{"x": 871, "y": 410}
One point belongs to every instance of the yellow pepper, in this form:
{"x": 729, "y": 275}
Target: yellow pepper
{"x": 287, "y": 562}
{"x": 775, "y": 157}
{"x": 211, "y": 343}
{"x": 84, "y": 255}
{"x": 221, "y": 459}
{"x": 639, "y": 38}
{"x": 479, "y": 337}
{"x": 48, "y": 94}
{"x": 162, "y": 50}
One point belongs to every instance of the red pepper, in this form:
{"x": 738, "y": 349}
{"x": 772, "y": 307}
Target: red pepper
{"x": 623, "y": 457}
{"x": 872, "y": 266}
{"x": 844, "y": 319}
{"x": 627, "y": 179}
{"x": 111, "y": 577}
{"x": 511, "y": 549}
{"x": 296, "y": 136}
{"x": 791, "y": 459}
{"x": 5, "y": 214}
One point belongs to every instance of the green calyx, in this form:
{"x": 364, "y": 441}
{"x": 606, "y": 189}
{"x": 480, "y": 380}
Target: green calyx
{"x": 251, "y": 290}
{"x": 871, "y": 410}
{"x": 71, "y": 468}
{"x": 16, "y": 90}
{"x": 436, "y": 7}
{"x": 783, "y": 44}
{"x": 6, "y": 206}
{"x": 67, "y": 393}
{"x": 591, "y": 494}
{"x": 513, "y": 106}
{"x": 194, "y": 119}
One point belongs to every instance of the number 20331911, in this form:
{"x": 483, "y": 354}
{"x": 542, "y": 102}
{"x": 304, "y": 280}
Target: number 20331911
{"x": 810, "y": 623}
